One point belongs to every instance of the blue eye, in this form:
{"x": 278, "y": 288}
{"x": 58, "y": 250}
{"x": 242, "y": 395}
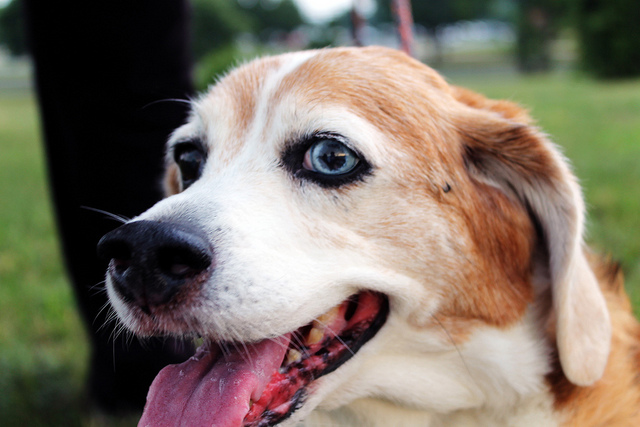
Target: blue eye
{"x": 325, "y": 160}
{"x": 330, "y": 157}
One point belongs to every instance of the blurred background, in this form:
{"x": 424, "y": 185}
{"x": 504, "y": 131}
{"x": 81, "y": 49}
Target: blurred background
{"x": 574, "y": 63}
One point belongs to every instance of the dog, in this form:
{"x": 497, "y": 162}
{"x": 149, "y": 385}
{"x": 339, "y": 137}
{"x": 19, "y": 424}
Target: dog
{"x": 358, "y": 243}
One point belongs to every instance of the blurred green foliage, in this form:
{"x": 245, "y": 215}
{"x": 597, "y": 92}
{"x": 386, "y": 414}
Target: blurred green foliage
{"x": 537, "y": 24}
{"x": 609, "y": 36}
{"x": 217, "y": 23}
{"x": 11, "y": 28}
{"x": 217, "y": 62}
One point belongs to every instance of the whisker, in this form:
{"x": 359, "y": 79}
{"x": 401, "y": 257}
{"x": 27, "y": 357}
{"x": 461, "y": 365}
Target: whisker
{"x": 160, "y": 101}
{"x": 336, "y": 336}
{"x": 224, "y": 347}
{"x": 464, "y": 362}
{"x": 246, "y": 354}
{"x": 117, "y": 330}
{"x": 110, "y": 317}
{"x": 277, "y": 341}
{"x": 120, "y": 218}
{"x": 98, "y": 288}
{"x": 298, "y": 344}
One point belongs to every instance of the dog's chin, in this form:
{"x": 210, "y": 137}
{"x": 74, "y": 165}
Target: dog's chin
{"x": 262, "y": 383}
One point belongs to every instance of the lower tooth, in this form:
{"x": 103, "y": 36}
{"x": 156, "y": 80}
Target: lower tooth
{"x": 294, "y": 356}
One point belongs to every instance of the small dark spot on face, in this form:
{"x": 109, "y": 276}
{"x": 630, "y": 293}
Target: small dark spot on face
{"x": 446, "y": 187}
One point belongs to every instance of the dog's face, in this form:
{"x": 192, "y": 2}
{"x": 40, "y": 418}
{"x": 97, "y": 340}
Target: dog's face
{"x": 343, "y": 226}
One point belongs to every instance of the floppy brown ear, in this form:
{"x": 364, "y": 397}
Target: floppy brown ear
{"x": 505, "y": 151}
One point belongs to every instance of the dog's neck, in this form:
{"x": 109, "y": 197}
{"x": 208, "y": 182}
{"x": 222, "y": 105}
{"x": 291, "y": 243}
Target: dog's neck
{"x": 537, "y": 410}
{"x": 371, "y": 412}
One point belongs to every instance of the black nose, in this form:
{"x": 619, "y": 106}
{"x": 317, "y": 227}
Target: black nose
{"x": 150, "y": 262}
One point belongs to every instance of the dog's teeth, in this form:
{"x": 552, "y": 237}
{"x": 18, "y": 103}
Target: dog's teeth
{"x": 320, "y": 325}
{"x": 327, "y": 318}
{"x": 293, "y": 356}
{"x": 315, "y": 335}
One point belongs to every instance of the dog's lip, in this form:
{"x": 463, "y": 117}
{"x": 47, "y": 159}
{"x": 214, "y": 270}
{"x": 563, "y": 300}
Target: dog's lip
{"x": 272, "y": 378}
{"x": 316, "y": 350}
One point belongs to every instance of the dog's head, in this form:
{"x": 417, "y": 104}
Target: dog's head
{"x": 343, "y": 224}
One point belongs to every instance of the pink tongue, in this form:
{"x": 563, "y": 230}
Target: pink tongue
{"x": 211, "y": 388}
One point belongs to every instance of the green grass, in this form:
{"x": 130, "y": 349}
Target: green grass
{"x": 43, "y": 348}
{"x": 42, "y": 343}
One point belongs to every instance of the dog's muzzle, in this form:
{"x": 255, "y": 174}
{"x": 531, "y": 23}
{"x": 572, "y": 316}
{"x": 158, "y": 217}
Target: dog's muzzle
{"x": 151, "y": 262}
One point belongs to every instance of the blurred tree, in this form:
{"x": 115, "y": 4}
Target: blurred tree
{"x": 537, "y": 24}
{"x": 273, "y": 15}
{"x": 11, "y": 28}
{"x": 216, "y": 23}
{"x": 534, "y": 35}
{"x": 609, "y": 36}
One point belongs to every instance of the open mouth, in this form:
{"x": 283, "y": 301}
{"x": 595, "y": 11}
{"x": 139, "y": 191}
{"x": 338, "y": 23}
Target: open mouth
{"x": 262, "y": 384}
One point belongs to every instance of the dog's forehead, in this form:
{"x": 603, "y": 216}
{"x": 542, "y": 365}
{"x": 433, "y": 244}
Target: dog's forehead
{"x": 230, "y": 107}
{"x": 395, "y": 94}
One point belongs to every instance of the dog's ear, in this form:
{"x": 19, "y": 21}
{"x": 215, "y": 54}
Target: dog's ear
{"x": 502, "y": 149}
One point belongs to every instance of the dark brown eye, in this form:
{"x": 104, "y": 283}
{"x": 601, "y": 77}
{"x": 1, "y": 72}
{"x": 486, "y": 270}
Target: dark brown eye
{"x": 190, "y": 159}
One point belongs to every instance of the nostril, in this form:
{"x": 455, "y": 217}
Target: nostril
{"x": 182, "y": 262}
{"x": 120, "y": 265}
{"x": 118, "y": 253}
{"x": 151, "y": 262}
